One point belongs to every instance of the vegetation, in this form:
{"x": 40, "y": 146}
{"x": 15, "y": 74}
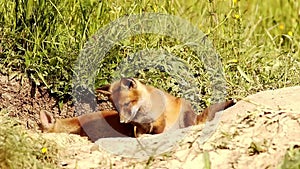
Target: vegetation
{"x": 292, "y": 158}
{"x": 258, "y": 41}
{"x": 18, "y": 149}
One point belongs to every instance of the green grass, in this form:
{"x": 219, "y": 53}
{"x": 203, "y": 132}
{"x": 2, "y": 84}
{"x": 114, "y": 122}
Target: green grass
{"x": 18, "y": 149}
{"x": 258, "y": 41}
{"x": 292, "y": 158}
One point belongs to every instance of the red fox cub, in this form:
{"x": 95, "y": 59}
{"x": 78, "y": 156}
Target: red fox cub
{"x": 95, "y": 125}
{"x": 141, "y": 109}
{"x": 154, "y": 111}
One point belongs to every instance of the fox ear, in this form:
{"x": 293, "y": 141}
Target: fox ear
{"x": 104, "y": 90}
{"x": 128, "y": 83}
{"x": 47, "y": 121}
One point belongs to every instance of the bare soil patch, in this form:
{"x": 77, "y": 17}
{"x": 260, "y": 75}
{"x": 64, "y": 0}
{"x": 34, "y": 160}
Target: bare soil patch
{"x": 25, "y": 101}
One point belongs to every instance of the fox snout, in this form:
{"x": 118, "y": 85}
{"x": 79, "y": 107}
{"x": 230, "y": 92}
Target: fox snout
{"x": 127, "y": 116}
{"x": 123, "y": 119}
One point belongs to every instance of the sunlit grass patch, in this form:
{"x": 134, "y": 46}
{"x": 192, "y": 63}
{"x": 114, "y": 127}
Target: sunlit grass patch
{"x": 42, "y": 39}
{"x": 18, "y": 149}
{"x": 292, "y": 158}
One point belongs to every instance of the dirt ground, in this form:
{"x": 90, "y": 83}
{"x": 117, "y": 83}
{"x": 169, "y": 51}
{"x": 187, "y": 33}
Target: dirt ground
{"x": 255, "y": 133}
{"x": 25, "y": 101}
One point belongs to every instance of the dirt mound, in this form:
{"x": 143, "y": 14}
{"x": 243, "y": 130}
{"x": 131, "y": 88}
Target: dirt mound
{"x": 255, "y": 133}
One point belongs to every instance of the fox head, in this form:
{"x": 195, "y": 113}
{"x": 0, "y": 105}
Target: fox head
{"x": 136, "y": 102}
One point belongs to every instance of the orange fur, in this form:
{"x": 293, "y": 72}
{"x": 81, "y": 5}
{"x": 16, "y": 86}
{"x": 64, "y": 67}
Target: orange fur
{"x": 154, "y": 111}
{"x": 140, "y": 108}
{"x": 94, "y": 125}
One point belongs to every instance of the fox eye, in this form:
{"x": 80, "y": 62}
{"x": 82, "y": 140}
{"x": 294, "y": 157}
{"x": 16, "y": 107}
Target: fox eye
{"x": 126, "y": 104}
{"x": 134, "y": 102}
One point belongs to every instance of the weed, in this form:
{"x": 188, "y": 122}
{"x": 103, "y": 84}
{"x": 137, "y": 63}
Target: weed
{"x": 257, "y": 40}
{"x": 20, "y": 150}
{"x": 292, "y": 158}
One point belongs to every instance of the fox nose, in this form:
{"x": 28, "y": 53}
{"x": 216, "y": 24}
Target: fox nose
{"x": 123, "y": 119}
